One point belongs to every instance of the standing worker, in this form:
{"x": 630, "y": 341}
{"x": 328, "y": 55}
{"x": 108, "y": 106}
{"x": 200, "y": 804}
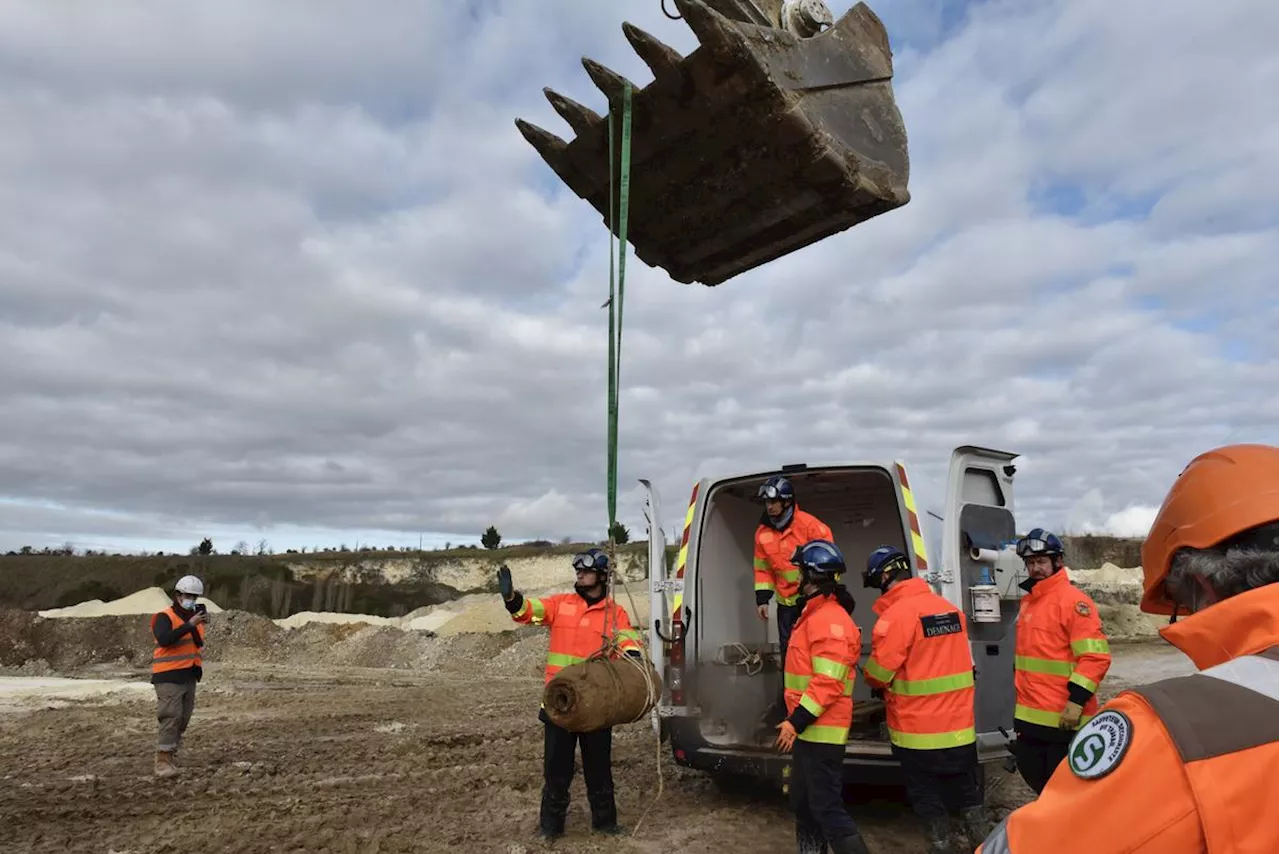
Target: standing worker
{"x": 1060, "y": 657}
{"x": 1187, "y": 765}
{"x": 583, "y": 623}
{"x": 820, "y": 670}
{"x": 176, "y": 666}
{"x": 920, "y": 659}
{"x": 783, "y": 528}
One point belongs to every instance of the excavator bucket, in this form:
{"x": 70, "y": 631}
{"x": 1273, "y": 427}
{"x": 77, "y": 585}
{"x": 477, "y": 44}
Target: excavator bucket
{"x": 762, "y": 141}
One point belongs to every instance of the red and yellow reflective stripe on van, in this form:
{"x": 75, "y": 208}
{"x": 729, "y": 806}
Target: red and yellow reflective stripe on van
{"x": 917, "y": 538}
{"x": 682, "y": 559}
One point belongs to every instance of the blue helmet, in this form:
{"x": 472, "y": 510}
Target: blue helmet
{"x": 776, "y": 488}
{"x": 592, "y": 559}
{"x": 883, "y": 564}
{"x": 1038, "y": 542}
{"x": 819, "y": 558}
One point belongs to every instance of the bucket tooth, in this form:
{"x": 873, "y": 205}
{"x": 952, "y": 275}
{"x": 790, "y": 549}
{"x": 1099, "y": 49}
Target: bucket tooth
{"x": 579, "y": 117}
{"x": 713, "y": 30}
{"x": 607, "y": 80}
{"x": 659, "y": 57}
{"x": 551, "y": 147}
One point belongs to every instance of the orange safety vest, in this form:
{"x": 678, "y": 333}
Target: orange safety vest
{"x": 579, "y": 630}
{"x": 1059, "y": 642}
{"x": 772, "y": 562}
{"x": 821, "y": 661}
{"x": 920, "y": 656}
{"x": 184, "y": 654}
{"x": 1187, "y": 765}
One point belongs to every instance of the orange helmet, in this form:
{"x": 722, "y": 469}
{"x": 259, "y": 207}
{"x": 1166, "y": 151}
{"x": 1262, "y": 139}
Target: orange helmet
{"x": 1219, "y": 494}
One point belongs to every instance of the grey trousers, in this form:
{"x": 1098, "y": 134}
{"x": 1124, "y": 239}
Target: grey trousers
{"x": 174, "y": 703}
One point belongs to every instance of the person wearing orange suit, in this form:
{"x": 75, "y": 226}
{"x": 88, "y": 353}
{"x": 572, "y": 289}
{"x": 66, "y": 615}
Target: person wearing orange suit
{"x": 1187, "y": 765}
{"x": 920, "y": 662}
{"x": 820, "y": 669}
{"x": 583, "y": 623}
{"x": 1060, "y": 658}
{"x": 783, "y": 528}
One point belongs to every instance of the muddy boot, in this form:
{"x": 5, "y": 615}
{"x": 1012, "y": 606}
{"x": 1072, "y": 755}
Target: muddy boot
{"x": 976, "y": 825}
{"x": 604, "y": 812}
{"x": 938, "y": 832}
{"x": 810, "y": 838}
{"x": 850, "y": 845}
{"x": 552, "y": 814}
{"x": 164, "y": 764}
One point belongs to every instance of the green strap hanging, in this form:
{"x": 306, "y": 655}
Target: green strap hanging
{"x": 616, "y": 297}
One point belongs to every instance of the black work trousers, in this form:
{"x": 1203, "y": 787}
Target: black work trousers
{"x": 941, "y": 781}
{"x": 1039, "y": 757}
{"x": 559, "y": 746}
{"x": 817, "y": 786}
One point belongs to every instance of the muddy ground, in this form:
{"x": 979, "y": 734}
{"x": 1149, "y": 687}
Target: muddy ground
{"x": 283, "y": 758}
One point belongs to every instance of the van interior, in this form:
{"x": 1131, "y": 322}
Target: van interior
{"x": 737, "y": 673}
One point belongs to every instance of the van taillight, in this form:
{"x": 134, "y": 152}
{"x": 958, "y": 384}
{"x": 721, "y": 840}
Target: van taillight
{"x": 675, "y": 661}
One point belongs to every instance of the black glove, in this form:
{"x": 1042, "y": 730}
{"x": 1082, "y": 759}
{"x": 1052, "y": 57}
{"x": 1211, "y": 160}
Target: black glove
{"x": 504, "y": 583}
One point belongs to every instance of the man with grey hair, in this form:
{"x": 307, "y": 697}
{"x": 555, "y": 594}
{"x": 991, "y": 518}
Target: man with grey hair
{"x": 1189, "y": 764}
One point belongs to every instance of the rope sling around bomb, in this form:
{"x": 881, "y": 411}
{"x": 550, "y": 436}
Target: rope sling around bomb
{"x": 610, "y": 688}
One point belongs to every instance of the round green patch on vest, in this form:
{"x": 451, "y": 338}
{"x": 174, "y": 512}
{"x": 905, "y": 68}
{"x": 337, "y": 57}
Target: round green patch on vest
{"x": 1100, "y": 745}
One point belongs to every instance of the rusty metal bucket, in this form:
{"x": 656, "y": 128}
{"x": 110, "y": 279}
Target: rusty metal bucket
{"x": 758, "y": 143}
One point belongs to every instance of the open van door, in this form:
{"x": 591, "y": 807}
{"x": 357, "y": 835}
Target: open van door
{"x": 659, "y": 590}
{"x": 979, "y": 516}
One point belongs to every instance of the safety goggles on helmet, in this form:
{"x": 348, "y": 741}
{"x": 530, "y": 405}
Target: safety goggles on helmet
{"x": 770, "y": 492}
{"x": 594, "y": 561}
{"x": 1033, "y": 546}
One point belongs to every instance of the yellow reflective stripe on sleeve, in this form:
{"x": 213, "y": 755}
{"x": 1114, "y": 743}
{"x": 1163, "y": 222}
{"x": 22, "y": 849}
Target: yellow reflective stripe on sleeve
{"x": 759, "y": 563}
{"x": 879, "y": 671}
{"x": 764, "y": 585}
{"x": 789, "y": 600}
{"x": 825, "y": 734}
{"x": 789, "y": 575}
{"x": 539, "y": 612}
{"x": 933, "y": 740}
{"x": 1080, "y": 647}
{"x": 812, "y": 705}
{"x": 559, "y": 659}
{"x": 1043, "y": 718}
{"x": 1084, "y": 682}
{"x": 936, "y": 685}
{"x": 827, "y": 667}
{"x": 795, "y": 683}
{"x": 1047, "y": 666}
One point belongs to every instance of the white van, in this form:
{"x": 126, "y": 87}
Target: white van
{"x": 718, "y": 661}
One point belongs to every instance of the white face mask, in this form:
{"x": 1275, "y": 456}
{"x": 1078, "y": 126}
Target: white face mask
{"x": 189, "y": 604}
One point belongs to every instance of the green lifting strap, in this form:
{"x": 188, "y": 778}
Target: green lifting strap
{"x": 616, "y": 296}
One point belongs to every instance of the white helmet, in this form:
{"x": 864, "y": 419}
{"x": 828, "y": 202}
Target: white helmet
{"x": 190, "y": 585}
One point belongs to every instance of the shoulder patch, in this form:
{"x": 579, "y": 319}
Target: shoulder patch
{"x": 1100, "y": 744}
{"x": 837, "y": 630}
{"x": 1082, "y": 608}
{"x": 936, "y": 625}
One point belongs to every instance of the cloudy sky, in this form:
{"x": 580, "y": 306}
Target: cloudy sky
{"x": 288, "y": 270}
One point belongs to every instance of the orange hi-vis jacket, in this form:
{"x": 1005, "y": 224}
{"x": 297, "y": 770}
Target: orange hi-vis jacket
{"x": 1187, "y": 765}
{"x": 1061, "y": 653}
{"x": 821, "y": 661}
{"x": 920, "y": 656}
{"x": 579, "y": 630}
{"x": 774, "y": 572}
{"x": 184, "y": 654}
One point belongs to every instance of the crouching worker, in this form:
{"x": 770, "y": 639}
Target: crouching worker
{"x": 176, "y": 667}
{"x": 582, "y": 623}
{"x": 820, "y": 668}
{"x": 921, "y": 662}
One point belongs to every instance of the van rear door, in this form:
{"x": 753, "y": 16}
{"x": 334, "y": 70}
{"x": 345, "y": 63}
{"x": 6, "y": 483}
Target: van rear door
{"x": 979, "y": 513}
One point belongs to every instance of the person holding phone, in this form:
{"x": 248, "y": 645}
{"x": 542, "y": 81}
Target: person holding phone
{"x": 176, "y": 666}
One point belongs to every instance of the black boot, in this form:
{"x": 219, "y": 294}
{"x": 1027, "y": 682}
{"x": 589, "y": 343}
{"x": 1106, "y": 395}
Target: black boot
{"x": 850, "y": 845}
{"x": 938, "y": 831}
{"x": 976, "y": 825}
{"x": 810, "y": 838}
{"x": 604, "y": 811}
{"x": 552, "y": 814}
